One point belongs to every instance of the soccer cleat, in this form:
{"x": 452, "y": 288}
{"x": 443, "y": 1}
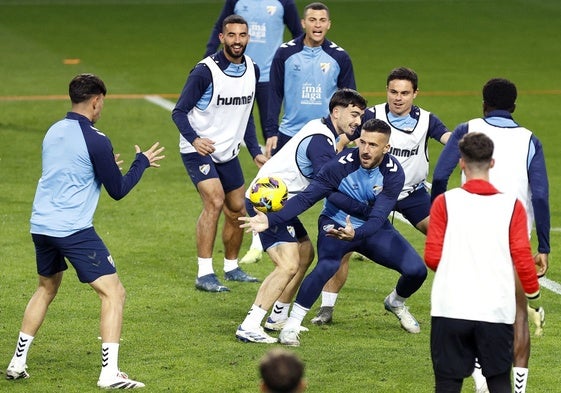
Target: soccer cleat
{"x": 290, "y": 337}
{"x": 210, "y": 283}
{"x": 16, "y": 372}
{"x": 254, "y": 336}
{"x": 253, "y": 255}
{"x": 408, "y": 321}
{"x": 239, "y": 275}
{"x": 324, "y": 316}
{"x": 119, "y": 381}
{"x": 277, "y": 326}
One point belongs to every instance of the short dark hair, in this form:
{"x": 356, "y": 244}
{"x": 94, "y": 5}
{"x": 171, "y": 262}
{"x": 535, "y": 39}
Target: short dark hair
{"x": 84, "y": 86}
{"x": 317, "y": 6}
{"x": 236, "y": 19}
{"x": 476, "y": 147}
{"x": 281, "y": 371}
{"x": 345, "y": 97}
{"x": 377, "y": 125}
{"x": 404, "y": 73}
{"x": 500, "y": 93}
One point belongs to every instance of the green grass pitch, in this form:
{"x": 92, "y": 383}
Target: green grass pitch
{"x": 176, "y": 339}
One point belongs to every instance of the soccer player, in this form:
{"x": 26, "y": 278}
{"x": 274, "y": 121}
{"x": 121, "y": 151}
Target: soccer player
{"x": 213, "y": 115}
{"x": 519, "y": 170}
{"x": 476, "y": 235}
{"x": 266, "y": 20}
{"x": 305, "y": 73}
{"x": 76, "y": 160}
{"x": 371, "y": 176}
{"x": 287, "y": 243}
{"x": 412, "y": 127}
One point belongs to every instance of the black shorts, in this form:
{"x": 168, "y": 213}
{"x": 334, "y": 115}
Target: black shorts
{"x": 455, "y": 343}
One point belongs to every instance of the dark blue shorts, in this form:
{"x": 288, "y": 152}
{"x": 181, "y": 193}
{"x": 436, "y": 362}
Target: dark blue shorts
{"x": 84, "y": 249}
{"x": 291, "y": 231}
{"x": 455, "y": 343}
{"x": 202, "y": 168}
{"x": 415, "y": 207}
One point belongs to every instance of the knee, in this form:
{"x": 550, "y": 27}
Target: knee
{"x": 213, "y": 203}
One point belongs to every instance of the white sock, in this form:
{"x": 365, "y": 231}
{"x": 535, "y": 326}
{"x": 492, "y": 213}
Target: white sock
{"x": 297, "y": 315}
{"x": 22, "y": 347}
{"x": 395, "y": 300}
{"x": 520, "y": 378}
{"x": 328, "y": 299}
{"x": 256, "y": 242}
{"x": 279, "y": 311}
{"x": 230, "y": 264}
{"x": 478, "y": 377}
{"x": 205, "y": 266}
{"x": 109, "y": 360}
{"x": 253, "y": 318}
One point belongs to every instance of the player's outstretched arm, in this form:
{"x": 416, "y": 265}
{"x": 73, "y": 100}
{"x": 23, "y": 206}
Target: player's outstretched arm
{"x": 153, "y": 154}
{"x": 257, "y": 223}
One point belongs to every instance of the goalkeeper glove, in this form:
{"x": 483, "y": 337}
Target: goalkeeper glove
{"x": 537, "y": 316}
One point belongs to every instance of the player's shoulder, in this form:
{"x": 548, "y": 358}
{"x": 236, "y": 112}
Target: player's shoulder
{"x": 334, "y": 50}
{"x": 391, "y": 166}
{"x": 289, "y": 48}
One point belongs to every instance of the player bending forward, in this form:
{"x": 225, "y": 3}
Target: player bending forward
{"x": 370, "y": 176}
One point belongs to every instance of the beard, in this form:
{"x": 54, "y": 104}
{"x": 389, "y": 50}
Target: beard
{"x": 232, "y": 53}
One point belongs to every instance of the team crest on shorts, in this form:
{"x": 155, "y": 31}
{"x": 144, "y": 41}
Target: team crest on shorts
{"x": 204, "y": 169}
{"x": 328, "y": 227}
{"x": 291, "y": 230}
{"x": 110, "y": 259}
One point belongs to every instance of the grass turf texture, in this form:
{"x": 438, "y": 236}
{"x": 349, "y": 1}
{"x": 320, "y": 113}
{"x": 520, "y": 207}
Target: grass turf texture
{"x": 176, "y": 339}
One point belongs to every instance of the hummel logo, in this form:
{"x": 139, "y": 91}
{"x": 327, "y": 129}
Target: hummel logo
{"x": 104, "y": 357}
{"x": 277, "y": 309}
{"x": 392, "y": 165}
{"x": 21, "y": 346}
{"x": 346, "y": 159}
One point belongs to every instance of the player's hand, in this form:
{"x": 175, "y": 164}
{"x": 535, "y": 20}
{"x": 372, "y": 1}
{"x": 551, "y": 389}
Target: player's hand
{"x": 347, "y": 233}
{"x": 259, "y": 160}
{"x": 542, "y": 263}
{"x": 257, "y": 223}
{"x": 537, "y": 317}
{"x": 118, "y": 162}
{"x": 271, "y": 145}
{"x": 153, "y": 154}
{"x": 204, "y": 146}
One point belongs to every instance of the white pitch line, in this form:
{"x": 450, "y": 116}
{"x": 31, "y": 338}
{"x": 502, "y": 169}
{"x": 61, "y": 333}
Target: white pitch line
{"x": 161, "y": 102}
{"x": 544, "y": 282}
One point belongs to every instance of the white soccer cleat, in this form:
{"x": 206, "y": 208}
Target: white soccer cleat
{"x": 119, "y": 381}
{"x": 253, "y": 255}
{"x": 254, "y": 336}
{"x": 277, "y": 326}
{"x": 408, "y": 321}
{"x": 290, "y": 337}
{"x": 16, "y": 371}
